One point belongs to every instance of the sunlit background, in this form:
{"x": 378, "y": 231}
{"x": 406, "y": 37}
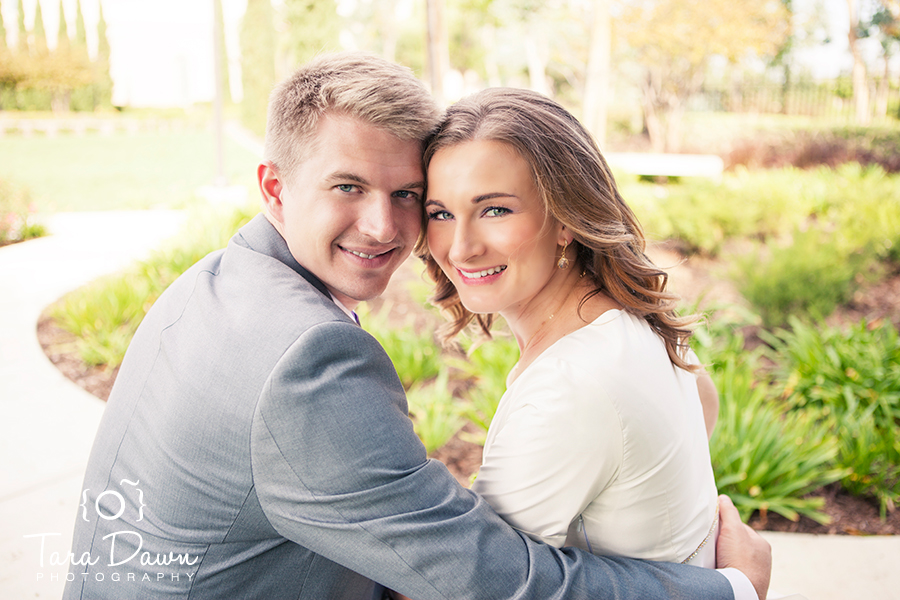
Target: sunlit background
{"x": 590, "y": 54}
{"x": 756, "y": 140}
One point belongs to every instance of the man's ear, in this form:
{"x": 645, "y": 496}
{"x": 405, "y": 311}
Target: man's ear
{"x": 271, "y": 188}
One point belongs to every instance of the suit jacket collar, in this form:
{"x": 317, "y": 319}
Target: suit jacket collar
{"x": 260, "y": 236}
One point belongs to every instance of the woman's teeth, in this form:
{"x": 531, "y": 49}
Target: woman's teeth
{"x": 480, "y": 274}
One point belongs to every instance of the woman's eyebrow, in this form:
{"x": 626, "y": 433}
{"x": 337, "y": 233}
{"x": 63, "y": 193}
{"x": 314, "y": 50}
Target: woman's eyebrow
{"x": 491, "y": 196}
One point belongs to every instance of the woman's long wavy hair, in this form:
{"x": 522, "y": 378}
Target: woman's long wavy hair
{"x": 579, "y": 191}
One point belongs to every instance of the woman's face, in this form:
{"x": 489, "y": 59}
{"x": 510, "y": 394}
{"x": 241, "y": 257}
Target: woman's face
{"x": 487, "y": 228}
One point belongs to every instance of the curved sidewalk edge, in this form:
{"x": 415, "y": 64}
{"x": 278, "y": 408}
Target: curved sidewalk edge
{"x": 48, "y": 422}
{"x": 835, "y": 567}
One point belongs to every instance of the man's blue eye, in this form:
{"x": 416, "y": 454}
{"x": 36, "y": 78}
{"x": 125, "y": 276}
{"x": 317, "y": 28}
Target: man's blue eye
{"x": 406, "y": 194}
{"x": 346, "y": 187}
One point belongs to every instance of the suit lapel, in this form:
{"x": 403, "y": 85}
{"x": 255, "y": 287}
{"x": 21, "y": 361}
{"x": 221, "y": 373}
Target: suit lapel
{"x": 259, "y": 235}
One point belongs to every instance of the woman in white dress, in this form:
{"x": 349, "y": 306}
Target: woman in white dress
{"x": 601, "y": 438}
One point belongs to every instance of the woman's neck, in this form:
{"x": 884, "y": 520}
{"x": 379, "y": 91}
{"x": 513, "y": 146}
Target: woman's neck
{"x": 555, "y": 312}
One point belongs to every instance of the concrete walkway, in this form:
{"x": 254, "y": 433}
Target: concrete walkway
{"x": 48, "y": 423}
{"x": 48, "y": 426}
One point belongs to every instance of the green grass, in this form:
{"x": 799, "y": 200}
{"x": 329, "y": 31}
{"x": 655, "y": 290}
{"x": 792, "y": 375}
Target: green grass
{"x": 434, "y": 411}
{"x": 120, "y": 171}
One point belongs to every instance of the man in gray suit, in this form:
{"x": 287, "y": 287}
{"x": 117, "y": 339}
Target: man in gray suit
{"x": 256, "y": 442}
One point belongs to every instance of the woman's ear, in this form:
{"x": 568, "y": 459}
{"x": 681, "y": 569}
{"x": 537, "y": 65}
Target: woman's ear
{"x": 271, "y": 188}
{"x": 565, "y": 236}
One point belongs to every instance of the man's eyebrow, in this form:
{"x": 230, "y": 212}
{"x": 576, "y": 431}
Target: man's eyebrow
{"x": 347, "y": 176}
{"x": 415, "y": 185}
{"x": 342, "y": 176}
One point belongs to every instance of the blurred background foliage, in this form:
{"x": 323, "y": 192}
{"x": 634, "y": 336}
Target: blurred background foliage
{"x": 804, "y": 219}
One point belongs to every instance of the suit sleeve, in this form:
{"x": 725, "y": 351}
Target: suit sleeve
{"x": 339, "y": 470}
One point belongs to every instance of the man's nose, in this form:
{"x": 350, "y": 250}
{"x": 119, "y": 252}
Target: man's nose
{"x": 378, "y": 219}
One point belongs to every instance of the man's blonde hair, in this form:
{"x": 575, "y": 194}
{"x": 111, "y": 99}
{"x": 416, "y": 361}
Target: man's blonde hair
{"x": 354, "y": 84}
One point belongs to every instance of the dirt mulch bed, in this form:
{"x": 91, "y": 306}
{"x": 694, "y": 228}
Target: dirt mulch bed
{"x": 59, "y": 346}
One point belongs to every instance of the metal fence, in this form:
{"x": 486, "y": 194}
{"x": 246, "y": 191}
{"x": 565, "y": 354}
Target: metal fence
{"x": 832, "y": 98}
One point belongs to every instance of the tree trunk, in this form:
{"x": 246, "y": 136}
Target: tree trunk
{"x": 537, "y": 66}
{"x": 860, "y": 87}
{"x": 491, "y": 68}
{"x": 884, "y": 88}
{"x": 385, "y": 11}
{"x": 653, "y": 119}
{"x": 438, "y": 54}
{"x": 596, "y": 84}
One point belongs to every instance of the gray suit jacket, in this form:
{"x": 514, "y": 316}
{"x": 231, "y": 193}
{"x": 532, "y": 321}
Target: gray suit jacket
{"x": 256, "y": 445}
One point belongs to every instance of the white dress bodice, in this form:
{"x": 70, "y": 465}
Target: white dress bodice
{"x": 600, "y": 443}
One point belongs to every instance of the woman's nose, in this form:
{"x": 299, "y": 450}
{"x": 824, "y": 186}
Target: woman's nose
{"x": 466, "y": 244}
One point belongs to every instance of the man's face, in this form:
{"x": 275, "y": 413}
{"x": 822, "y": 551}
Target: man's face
{"x": 351, "y": 212}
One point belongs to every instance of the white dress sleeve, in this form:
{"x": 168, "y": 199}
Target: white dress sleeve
{"x": 554, "y": 445}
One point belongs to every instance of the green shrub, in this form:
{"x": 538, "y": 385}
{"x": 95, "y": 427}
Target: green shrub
{"x": 104, "y": 314}
{"x": 416, "y": 356}
{"x": 871, "y": 455}
{"x": 487, "y": 366}
{"x": 17, "y": 215}
{"x": 811, "y": 276}
{"x": 858, "y": 206}
{"x": 851, "y": 381}
{"x": 705, "y": 214}
{"x": 434, "y": 411}
{"x": 865, "y": 214}
{"x": 762, "y": 459}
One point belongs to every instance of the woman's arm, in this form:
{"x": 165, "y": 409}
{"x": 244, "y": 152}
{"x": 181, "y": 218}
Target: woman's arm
{"x": 709, "y": 400}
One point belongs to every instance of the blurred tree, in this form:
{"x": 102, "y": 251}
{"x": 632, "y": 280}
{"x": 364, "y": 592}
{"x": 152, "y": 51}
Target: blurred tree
{"x": 471, "y": 36}
{"x": 38, "y": 32}
{"x": 3, "y": 44}
{"x": 22, "y": 38}
{"x": 103, "y": 83}
{"x": 860, "y": 85}
{"x": 223, "y": 52}
{"x": 30, "y": 91}
{"x": 673, "y": 39}
{"x": 80, "y": 32}
{"x": 257, "y": 63}
{"x": 54, "y": 74}
{"x": 596, "y": 84}
{"x": 782, "y": 57}
{"x": 313, "y": 26}
{"x": 885, "y": 26}
{"x": 82, "y": 97}
{"x": 8, "y": 71}
{"x": 385, "y": 16}
{"x": 62, "y": 33}
{"x": 438, "y": 50}
{"x": 60, "y": 59}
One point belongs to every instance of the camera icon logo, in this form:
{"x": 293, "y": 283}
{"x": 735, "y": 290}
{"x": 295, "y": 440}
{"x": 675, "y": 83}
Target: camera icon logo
{"x": 118, "y": 497}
